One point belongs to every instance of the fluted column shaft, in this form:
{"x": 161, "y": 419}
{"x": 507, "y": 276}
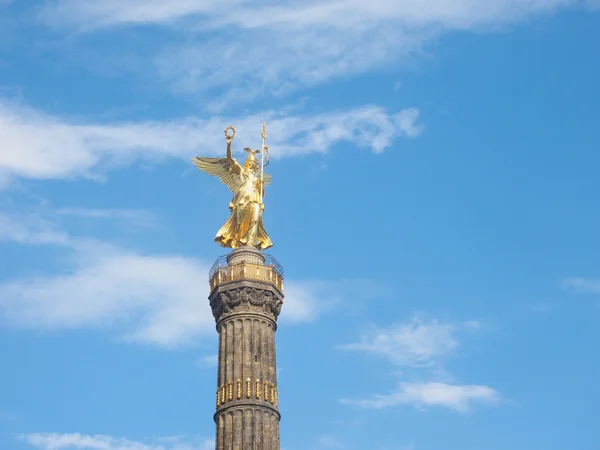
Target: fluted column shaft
{"x": 247, "y": 418}
{"x": 247, "y": 397}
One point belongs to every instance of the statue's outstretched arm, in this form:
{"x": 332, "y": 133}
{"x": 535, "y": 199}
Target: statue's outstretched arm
{"x": 234, "y": 166}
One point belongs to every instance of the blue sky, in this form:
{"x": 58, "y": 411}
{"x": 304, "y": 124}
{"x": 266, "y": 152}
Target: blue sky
{"x": 434, "y": 204}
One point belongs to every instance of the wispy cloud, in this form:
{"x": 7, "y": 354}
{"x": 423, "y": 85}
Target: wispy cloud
{"x": 542, "y": 308}
{"x": 268, "y": 13}
{"x": 30, "y": 229}
{"x": 150, "y": 297}
{"x": 306, "y": 301}
{"x": 144, "y": 298}
{"x": 40, "y": 146}
{"x": 136, "y": 218}
{"x": 6, "y": 416}
{"x": 94, "y": 15}
{"x": 582, "y": 285}
{"x": 77, "y": 441}
{"x": 421, "y": 347}
{"x": 208, "y": 361}
{"x": 330, "y": 441}
{"x": 270, "y": 47}
{"x": 44, "y": 225}
{"x": 456, "y": 397}
{"x": 417, "y": 343}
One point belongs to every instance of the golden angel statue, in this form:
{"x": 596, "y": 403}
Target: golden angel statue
{"x": 247, "y": 182}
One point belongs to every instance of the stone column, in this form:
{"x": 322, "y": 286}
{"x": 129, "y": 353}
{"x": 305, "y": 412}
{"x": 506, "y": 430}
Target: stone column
{"x": 246, "y": 299}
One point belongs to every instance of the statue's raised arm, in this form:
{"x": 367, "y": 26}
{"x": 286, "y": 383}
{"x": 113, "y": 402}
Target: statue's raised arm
{"x": 227, "y": 169}
{"x": 247, "y": 182}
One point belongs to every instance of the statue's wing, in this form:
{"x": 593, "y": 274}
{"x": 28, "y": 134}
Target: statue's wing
{"x": 267, "y": 177}
{"x": 226, "y": 170}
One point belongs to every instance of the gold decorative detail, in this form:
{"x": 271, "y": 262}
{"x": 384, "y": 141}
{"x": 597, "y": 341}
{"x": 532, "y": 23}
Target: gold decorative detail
{"x": 229, "y": 137}
{"x": 246, "y": 271}
{"x": 264, "y": 391}
{"x": 247, "y": 182}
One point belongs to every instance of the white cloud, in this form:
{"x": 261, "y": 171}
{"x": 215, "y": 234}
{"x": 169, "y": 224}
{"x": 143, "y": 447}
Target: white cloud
{"x": 41, "y": 224}
{"x": 40, "y": 146}
{"x": 93, "y": 15}
{"x": 541, "y": 308}
{"x": 145, "y": 298}
{"x": 421, "y": 347}
{"x": 77, "y": 441}
{"x": 30, "y": 229}
{"x": 416, "y": 343}
{"x": 149, "y": 298}
{"x": 136, "y": 218}
{"x": 329, "y": 441}
{"x": 272, "y": 13}
{"x": 6, "y": 416}
{"x": 305, "y": 301}
{"x": 156, "y": 299}
{"x": 583, "y": 285}
{"x": 250, "y": 48}
{"x": 208, "y": 361}
{"x": 43, "y": 227}
{"x": 455, "y": 397}
{"x": 274, "y": 62}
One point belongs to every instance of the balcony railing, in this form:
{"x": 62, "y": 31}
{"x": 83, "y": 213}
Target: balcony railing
{"x": 270, "y": 271}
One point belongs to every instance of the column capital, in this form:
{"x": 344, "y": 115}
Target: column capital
{"x": 246, "y": 296}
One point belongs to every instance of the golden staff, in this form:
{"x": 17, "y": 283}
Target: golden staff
{"x": 263, "y": 134}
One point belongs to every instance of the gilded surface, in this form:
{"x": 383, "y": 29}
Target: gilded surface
{"x": 247, "y": 182}
{"x": 264, "y": 391}
{"x": 246, "y": 271}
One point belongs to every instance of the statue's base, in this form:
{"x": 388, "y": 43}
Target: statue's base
{"x": 247, "y": 254}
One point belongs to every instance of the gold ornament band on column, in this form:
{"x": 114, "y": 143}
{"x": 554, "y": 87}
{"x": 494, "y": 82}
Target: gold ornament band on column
{"x": 263, "y": 391}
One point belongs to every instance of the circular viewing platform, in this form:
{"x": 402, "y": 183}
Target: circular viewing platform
{"x": 246, "y": 264}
